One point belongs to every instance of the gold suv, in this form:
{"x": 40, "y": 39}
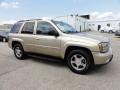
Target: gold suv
{"x": 59, "y": 39}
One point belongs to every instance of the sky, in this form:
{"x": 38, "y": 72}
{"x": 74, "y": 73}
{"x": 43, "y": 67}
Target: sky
{"x": 13, "y": 10}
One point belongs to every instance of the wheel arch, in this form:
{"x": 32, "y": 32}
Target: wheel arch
{"x": 15, "y": 42}
{"x": 70, "y": 48}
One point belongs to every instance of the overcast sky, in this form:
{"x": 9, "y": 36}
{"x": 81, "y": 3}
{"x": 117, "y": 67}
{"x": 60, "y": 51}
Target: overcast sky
{"x": 12, "y": 10}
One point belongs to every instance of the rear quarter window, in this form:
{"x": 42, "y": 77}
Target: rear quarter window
{"x": 16, "y": 27}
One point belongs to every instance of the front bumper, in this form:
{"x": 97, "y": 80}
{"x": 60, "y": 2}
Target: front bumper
{"x": 102, "y": 58}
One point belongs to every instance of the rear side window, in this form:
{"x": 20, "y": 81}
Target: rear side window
{"x": 28, "y": 28}
{"x": 16, "y": 28}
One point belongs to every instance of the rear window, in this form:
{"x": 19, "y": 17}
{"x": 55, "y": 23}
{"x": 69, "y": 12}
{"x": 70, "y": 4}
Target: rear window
{"x": 16, "y": 28}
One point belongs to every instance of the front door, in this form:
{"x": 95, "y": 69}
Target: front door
{"x": 46, "y": 43}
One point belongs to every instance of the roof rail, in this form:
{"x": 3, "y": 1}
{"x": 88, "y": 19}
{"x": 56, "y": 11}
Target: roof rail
{"x": 29, "y": 20}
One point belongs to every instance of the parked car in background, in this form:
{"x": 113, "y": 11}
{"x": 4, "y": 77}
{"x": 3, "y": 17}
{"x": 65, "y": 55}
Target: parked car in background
{"x": 117, "y": 33}
{"x": 59, "y": 39}
{"x": 4, "y": 36}
{"x": 107, "y": 30}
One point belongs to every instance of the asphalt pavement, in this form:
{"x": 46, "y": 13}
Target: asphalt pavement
{"x": 37, "y": 74}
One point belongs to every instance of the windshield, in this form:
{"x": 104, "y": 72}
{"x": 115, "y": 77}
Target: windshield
{"x": 65, "y": 28}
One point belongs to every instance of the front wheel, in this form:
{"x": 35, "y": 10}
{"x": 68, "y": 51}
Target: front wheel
{"x": 19, "y": 51}
{"x": 79, "y": 61}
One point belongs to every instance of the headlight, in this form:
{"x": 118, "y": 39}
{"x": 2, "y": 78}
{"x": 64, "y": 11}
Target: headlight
{"x": 104, "y": 47}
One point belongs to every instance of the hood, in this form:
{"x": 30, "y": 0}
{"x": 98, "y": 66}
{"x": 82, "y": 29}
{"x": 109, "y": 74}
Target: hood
{"x": 92, "y": 37}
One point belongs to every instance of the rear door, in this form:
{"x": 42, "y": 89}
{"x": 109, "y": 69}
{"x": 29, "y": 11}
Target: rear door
{"x": 27, "y": 36}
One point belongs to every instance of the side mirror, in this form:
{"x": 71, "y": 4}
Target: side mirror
{"x": 54, "y": 33}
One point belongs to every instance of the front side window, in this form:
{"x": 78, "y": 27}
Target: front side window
{"x": 64, "y": 27}
{"x": 28, "y": 28}
{"x": 44, "y": 28}
{"x": 16, "y": 28}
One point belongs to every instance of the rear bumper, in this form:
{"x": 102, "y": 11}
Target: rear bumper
{"x": 102, "y": 58}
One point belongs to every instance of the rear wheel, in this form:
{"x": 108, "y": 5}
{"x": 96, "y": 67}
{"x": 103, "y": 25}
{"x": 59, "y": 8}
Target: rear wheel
{"x": 19, "y": 51}
{"x": 79, "y": 61}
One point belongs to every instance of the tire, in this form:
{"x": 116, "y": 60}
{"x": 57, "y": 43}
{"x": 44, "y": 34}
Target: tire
{"x": 80, "y": 65}
{"x": 19, "y": 52}
{"x": 102, "y": 31}
{"x": 110, "y": 31}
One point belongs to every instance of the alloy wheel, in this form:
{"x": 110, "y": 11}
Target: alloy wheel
{"x": 78, "y": 62}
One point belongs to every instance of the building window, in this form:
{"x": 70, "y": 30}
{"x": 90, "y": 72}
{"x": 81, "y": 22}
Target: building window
{"x": 119, "y": 24}
{"x": 108, "y": 25}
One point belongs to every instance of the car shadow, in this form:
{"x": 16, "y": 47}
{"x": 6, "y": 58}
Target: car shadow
{"x": 101, "y": 69}
{"x": 49, "y": 61}
{"x": 117, "y": 37}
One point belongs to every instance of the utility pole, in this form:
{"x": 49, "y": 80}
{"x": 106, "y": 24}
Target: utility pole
{"x": 119, "y": 26}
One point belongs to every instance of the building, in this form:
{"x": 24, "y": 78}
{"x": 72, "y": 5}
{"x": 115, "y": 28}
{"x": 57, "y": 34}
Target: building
{"x": 6, "y": 27}
{"x": 80, "y": 23}
{"x": 97, "y": 25}
{"x": 85, "y": 22}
